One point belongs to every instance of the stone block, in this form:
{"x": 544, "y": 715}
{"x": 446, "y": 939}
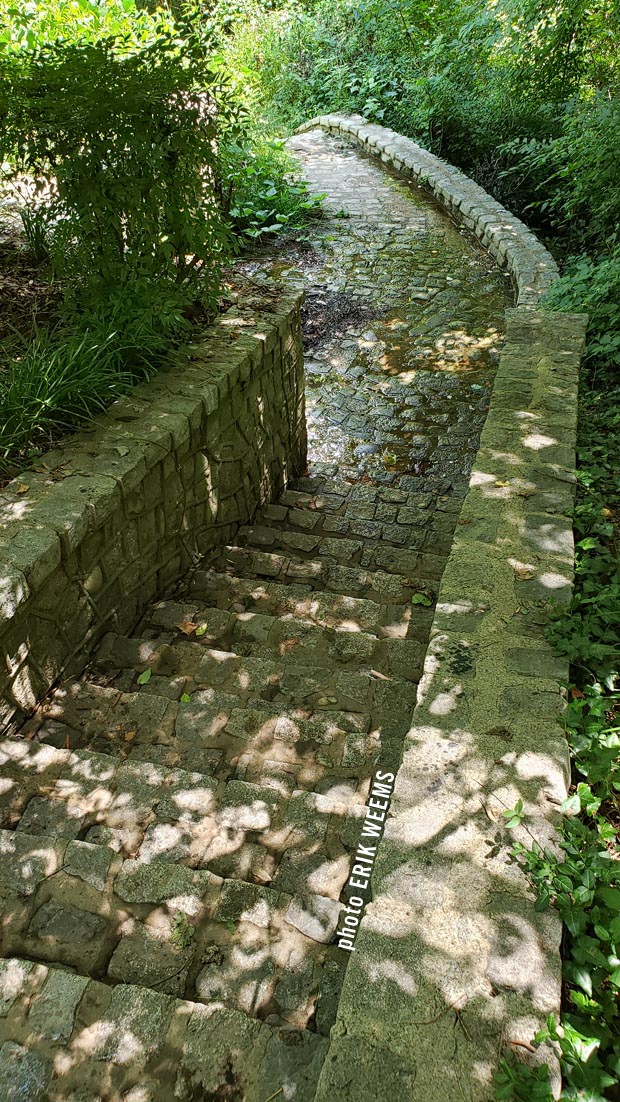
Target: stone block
{"x": 24, "y": 1075}
{"x": 241, "y": 902}
{"x": 316, "y": 916}
{"x": 150, "y": 959}
{"x": 26, "y": 861}
{"x": 52, "y": 1012}
{"x": 134, "y": 1026}
{"x": 14, "y": 976}
{"x": 69, "y": 935}
{"x": 161, "y": 882}
{"x": 88, "y": 862}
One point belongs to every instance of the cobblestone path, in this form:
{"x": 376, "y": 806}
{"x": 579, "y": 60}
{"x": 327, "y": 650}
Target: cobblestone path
{"x": 179, "y": 822}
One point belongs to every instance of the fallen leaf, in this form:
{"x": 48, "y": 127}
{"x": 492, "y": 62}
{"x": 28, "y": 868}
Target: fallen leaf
{"x": 188, "y": 627}
{"x": 489, "y": 814}
{"x": 22, "y": 488}
{"x": 145, "y": 676}
{"x": 201, "y": 630}
{"x": 523, "y": 573}
{"x": 129, "y": 736}
{"x": 501, "y": 484}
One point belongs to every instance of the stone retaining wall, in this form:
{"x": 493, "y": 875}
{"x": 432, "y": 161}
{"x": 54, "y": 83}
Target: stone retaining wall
{"x": 507, "y": 239}
{"x": 110, "y": 520}
{"x": 453, "y": 968}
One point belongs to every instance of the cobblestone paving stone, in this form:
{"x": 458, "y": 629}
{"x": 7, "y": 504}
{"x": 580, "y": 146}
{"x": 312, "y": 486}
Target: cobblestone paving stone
{"x": 178, "y": 823}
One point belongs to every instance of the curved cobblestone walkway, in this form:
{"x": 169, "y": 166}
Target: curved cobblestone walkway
{"x": 179, "y": 822}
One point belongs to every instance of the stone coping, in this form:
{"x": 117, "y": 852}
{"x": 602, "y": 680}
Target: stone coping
{"x": 116, "y": 514}
{"x": 507, "y": 239}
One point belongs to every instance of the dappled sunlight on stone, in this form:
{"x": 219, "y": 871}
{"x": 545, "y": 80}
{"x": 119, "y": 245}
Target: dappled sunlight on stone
{"x": 444, "y": 703}
{"x": 536, "y": 441}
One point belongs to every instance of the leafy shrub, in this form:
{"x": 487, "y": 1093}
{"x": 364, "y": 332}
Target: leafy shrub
{"x": 573, "y": 176}
{"x": 36, "y": 23}
{"x": 127, "y": 142}
{"x": 257, "y": 195}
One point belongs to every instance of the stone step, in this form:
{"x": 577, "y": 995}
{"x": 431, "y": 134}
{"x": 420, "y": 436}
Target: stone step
{"x": 67, "y": 1036}
{"x": 360, "y": 511}
{"x": 148, "y": 811}
{"x": 342, "y": 676}
{"x": 416, "y": 524}
{"x": 253, "y": 615}
{"x": 379, "y": 585}
{"x": 280, "y": 746}
{"x": 388, "y": 618}
{"x": 221, "y": 592}
{"x": 290, "y": 638}
{"x": 143, "y": 874}
{"x": 331, "y": 494}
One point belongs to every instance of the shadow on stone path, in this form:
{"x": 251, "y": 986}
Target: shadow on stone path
{"x": 179, "y": 822}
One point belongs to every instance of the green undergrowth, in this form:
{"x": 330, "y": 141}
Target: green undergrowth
{"x": 583, "y": 880}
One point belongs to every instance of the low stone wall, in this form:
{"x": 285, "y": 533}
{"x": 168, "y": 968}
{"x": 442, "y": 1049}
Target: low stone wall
{"x": 108, "y": 521}
{"x": 453, "y": 968}
{"x": 507, "y": 239}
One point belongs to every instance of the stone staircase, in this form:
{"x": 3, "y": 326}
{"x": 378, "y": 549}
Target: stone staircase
{"x": 178, "y": 822}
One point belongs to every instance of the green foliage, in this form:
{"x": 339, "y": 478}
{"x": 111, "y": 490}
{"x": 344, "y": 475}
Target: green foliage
{"x": 572, "y": 175}
{"x": 522, "y": 94}
{"x": 31, "y": 24}
{"x": 421, "y": 598}
{"x": 123, "y": 148}
{"x": 139, "y": 173}
{"x": 592, "y": 284}
{"x": 62, "y": 379}
{"x": 183, "y": 931}
{"x": 258, "y": 196}
{"x": 522, "y": 1083}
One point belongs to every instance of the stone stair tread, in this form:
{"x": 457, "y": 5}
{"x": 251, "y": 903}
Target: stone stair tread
{"x": 214, "y": 735}
{"x": 374, "y": 554}
{"x": 342, "y": 675}
{"x": 369, "y": 584}
{"x": 156, "y": 813}
{"x": 321, "y": 607}
{"x": 102, "y": 857}
{"x": 101, "y": 1035}
{"x": 253, "y": 617}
